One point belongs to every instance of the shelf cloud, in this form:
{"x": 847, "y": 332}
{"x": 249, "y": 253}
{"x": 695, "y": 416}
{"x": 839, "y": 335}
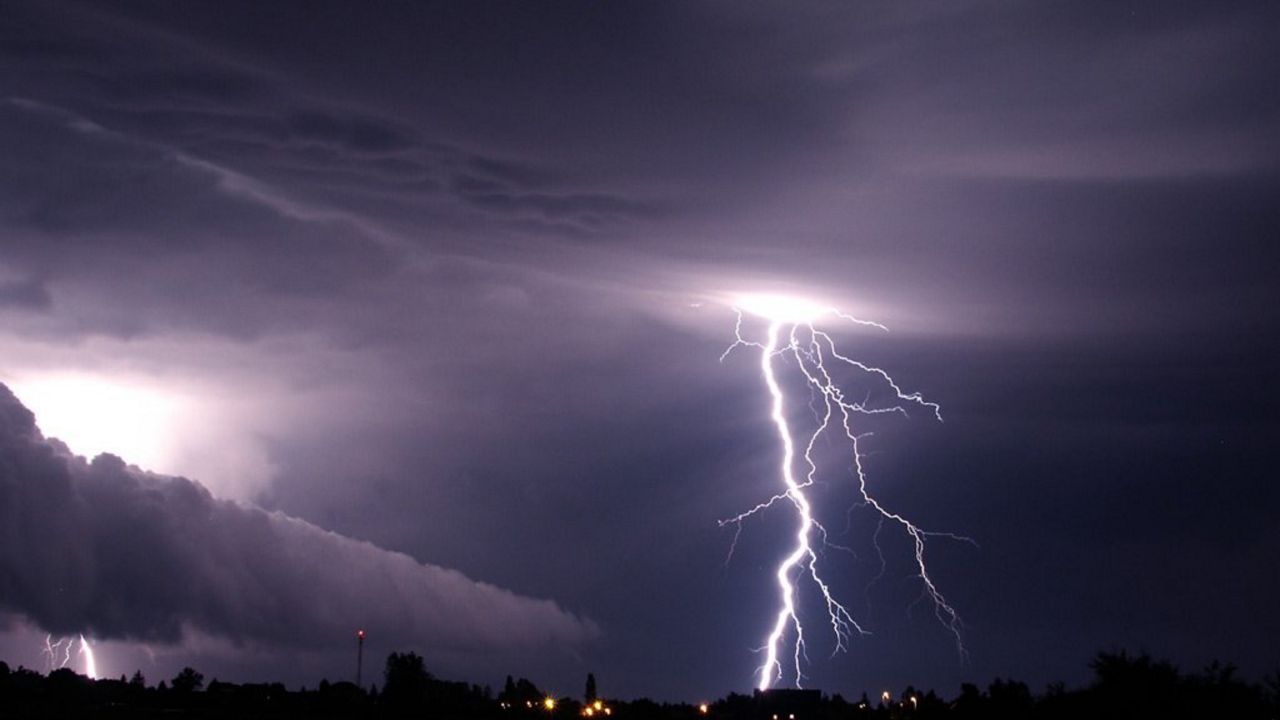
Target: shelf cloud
{"x": 107, "y": 549}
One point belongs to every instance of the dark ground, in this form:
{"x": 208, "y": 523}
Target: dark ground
{"x": 1123, "y": 686}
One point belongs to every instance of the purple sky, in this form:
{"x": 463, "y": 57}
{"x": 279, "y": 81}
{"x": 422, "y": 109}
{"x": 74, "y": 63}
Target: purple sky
{"x": 425, "y": 298}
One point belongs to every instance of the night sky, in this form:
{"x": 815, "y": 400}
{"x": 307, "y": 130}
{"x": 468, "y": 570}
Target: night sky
{"x": 426, "y": 301}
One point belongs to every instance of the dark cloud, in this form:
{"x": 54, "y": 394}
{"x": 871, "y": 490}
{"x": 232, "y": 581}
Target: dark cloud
{"x": 103, "y": 548}
{"x": 209, "y": 241}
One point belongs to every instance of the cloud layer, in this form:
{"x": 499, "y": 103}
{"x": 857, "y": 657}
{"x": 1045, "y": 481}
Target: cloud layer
{"x": 102, "y": 548}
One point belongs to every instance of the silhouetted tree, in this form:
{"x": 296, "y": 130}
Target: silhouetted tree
{"x": 405, "y": 681}
{"x": 1272, "y": 683}
{"x": 932, "y": 706}
{"x": 905, "y": 701}
{"x": 138, "y": 681}
{"x": 1217, "y": 691}
{"x": 1129, "y": 686}
{"x": 187, "y": 681}
{"x": 67, "y": 686}
{"x": 1008, "y": 699}
{"x": 508, "y": 694}
{"x": 526, "y": 692}
{"x": 590, "y": 694}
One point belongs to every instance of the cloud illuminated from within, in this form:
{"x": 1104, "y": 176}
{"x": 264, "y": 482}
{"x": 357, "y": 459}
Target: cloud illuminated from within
{"x": 114, "y": 552}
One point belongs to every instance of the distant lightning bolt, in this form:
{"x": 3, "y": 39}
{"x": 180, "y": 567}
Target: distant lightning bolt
{"x": 813, "y": 350}
{"x": 90, "y": 662}
{"x": 58, "y": 654}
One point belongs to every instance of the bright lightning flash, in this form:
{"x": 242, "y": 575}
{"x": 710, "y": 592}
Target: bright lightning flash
{"x": 58, "y": 654}
{"x": 90, "y": 663}
{"x": 792, "y": 334}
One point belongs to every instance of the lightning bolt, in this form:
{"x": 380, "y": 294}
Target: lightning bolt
{"x": 52, "y": 651}
{"x": 792, "y": 335}
{"x": 90, "y": 662}
{"x": 58, "y": 654}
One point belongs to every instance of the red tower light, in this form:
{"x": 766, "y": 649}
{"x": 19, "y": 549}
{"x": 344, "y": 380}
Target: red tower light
{"x": 359, "y": 656}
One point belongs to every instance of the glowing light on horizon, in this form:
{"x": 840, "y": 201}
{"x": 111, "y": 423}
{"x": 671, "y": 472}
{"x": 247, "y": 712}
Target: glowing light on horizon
{"x": 792, "y": 335}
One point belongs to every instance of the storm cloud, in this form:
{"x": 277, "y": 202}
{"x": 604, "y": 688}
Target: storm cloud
{"x": 448, "y": 278}
{"x": 103, "y": 548}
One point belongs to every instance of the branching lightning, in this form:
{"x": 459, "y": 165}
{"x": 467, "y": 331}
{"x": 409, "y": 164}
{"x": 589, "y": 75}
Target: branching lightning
{"x": 792, "y": 334}
{"x": 58, "y": 654}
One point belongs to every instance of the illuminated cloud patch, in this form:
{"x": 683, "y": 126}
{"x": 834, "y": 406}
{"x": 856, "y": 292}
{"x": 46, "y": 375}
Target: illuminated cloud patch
{"x": 109, "y": 550}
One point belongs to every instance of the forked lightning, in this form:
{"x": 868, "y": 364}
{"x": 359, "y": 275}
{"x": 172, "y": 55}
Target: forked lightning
{"x": 792, "y": 335}
{"x": 58, "y": 654}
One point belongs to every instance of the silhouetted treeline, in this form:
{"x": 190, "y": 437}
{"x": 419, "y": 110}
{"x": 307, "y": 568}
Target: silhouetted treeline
{"x": 1123, "y": 687}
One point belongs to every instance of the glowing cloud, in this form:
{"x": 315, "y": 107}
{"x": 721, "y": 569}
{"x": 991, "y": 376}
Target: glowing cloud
{"x": 94, "y": 415}
{"x": 779, "y": 308}
{"x": 790, "y": 309}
